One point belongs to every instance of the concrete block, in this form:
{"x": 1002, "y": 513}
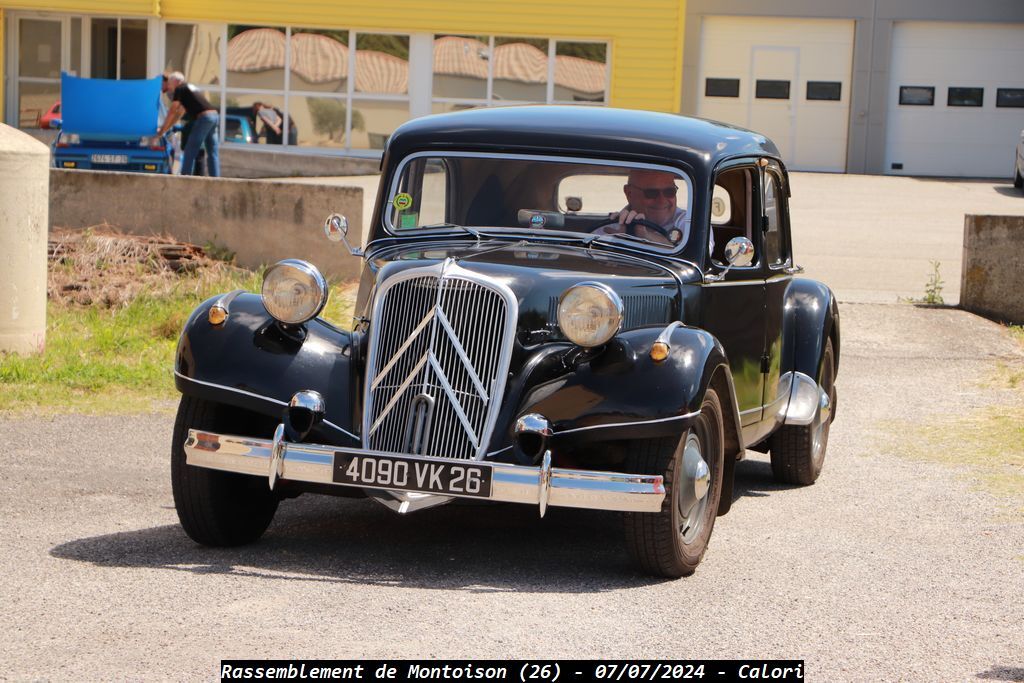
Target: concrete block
{"x": 261, "y": 221}
{"x": 24, "y": 191}
{"x": 992, "y": 282}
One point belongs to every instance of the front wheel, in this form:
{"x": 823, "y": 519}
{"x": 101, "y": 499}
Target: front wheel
{"x": 672, "y": 542}
{"x": 217, "y": 508}
{"x": 1018, "y": 181}
{"x": 798, "y": 451}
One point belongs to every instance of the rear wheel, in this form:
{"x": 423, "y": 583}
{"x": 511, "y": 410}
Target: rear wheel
{"x": 672, "y": 542}
{"x": 217, "y": 508}
{"x": 798, "y": 451}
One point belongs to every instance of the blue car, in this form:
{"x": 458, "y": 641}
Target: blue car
{"x": 110, "y": 125}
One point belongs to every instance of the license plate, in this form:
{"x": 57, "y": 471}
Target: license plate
{"x": 110, "y": 158}
{"x": 413, "y": 474}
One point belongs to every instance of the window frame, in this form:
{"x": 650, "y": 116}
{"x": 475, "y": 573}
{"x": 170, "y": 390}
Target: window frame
{"x": 905, "y": 88}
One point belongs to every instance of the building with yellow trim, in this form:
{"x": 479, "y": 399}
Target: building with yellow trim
{"x": 347, "y": 73}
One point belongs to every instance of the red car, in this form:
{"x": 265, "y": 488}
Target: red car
{"x": 51, "y": 114}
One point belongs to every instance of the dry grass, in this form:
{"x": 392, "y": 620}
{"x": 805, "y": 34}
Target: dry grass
{"x": 117, "y": 304}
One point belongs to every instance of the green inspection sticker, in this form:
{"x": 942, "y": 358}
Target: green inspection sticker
{"x": 408, "y": 220}
{"x": 402, "y": 201}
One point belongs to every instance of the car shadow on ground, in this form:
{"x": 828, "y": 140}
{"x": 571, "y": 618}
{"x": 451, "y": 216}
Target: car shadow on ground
{"x": 754, "y": 479}
{"x": 475, "y": 547}
{"x": 485, "y": 548}
{"x": 1008, "y": 190}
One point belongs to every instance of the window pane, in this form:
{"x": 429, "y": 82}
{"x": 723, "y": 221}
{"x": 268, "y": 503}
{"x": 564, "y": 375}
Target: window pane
{"x": 194, "y": 50}
{"x": 104, "y": 48}
{"x": 460, "y": 66}
{"x": 1010, "y": 97}
{"x": 134, "y": 34}
{"x": 76, "y": 46}
{"x": 772, "y": 90}
{"x": 374, "y": 120}
{"x": 824, "y": 90}
{"x": 255, "y": 57}
{"x": 773, "y": 237}
{"x": 965, "y": 97}
{"x": 722, "y": 87}
{"x": 581, "y": 72}
{"x": 241, "y": 106}
{"x": 521, "y": 69}
{"x": 917, "y": 95}
{"x": 319, "y": 60}
{"x": 34, "y": 100}
{"x": 382, "y": 64}
{"x": 39, "y": 48}
{"x": 320, "y": 121}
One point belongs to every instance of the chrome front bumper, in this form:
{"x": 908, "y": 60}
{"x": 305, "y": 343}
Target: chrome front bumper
{"x": 543, "y": 486}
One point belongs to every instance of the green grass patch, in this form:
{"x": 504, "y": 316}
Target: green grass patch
{"x": 120, "y": 360}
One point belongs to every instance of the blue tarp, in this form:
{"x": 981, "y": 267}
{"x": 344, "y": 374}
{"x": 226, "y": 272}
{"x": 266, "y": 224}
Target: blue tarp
{"x": 108, "y": 108}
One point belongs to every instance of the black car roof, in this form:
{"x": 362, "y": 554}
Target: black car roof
{"x": 581, "y": 131}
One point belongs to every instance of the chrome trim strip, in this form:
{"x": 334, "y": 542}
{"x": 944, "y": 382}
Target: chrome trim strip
{"x": 631, "y": 424}
{"x": 398, "y": 394}
{"x": 261, "y": 397}
{"x": 666, "y": 333}
{"x": 408, "y": 342}
{"x": 466, "y": 362}
{"x": 509, "y": 483}
{"x": 224, "y": 300}
{"x": 751, "y": 410}
{"x": 454, "y": 399}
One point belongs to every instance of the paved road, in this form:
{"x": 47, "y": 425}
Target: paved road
{"x": 886, "y": 569}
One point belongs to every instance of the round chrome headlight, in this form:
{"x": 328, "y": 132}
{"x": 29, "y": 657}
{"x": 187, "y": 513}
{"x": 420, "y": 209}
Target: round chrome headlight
{"x": 294, "y": 291}
{"x": 589, "y": 313}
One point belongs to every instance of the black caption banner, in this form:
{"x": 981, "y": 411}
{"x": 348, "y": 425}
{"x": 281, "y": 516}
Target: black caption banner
{"x": 523, "y": 671}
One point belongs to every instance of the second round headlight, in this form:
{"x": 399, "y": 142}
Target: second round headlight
{"x": 294, "y": 291}
{"x": 589, "y": 313}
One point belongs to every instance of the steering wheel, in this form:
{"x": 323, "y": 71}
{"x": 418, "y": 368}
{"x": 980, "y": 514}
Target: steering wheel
{"x": 631, "y": 227}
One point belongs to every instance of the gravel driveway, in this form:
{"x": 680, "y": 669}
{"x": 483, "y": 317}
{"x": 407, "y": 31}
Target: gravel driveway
{"x": 887, "y": 568}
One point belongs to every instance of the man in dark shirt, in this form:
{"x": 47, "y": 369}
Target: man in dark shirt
{"x": 185, "y": 98}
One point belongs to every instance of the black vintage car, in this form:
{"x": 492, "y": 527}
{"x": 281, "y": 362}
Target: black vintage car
{"x": 559, "y": 306}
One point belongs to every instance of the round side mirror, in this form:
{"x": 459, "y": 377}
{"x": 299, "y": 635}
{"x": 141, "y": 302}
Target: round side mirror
{"x": 739, "y": 252}
{"x": 336, "y": 227}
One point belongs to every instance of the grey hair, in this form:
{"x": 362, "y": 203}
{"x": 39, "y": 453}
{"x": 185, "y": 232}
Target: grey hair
{"x": 176, "y": 76}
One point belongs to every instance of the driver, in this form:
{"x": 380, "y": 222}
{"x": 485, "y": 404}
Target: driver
{"x": 651, "y": 196}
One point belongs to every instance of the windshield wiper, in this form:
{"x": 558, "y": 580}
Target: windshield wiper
{"x": 471, "y": 231}
{"x": 595, "y": 238}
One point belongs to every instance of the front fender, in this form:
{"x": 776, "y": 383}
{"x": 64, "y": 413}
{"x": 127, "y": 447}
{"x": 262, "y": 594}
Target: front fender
{"x": 811, "y": 316}
{"x": 252, "y": 362}
{"x": 623, "y": 394}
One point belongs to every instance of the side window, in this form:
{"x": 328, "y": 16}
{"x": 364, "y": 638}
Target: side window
{"x": 732, "y": 209}
{"x": 774, "y": 244}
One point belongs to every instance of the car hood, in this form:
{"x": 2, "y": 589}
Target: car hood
{"x": 103, "y": 109}
{"x": 539, "y": 274}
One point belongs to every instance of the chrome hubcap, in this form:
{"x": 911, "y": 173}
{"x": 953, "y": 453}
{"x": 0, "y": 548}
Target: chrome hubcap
{"x": 821, "y": 422}
{"x": 692, "y": 492}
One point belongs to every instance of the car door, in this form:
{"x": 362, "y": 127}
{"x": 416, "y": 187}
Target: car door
{"x": 733, "y": 299}
{"x": 779, "y": 272}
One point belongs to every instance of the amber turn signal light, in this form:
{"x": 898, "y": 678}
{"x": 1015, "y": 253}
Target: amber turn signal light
{"x": 659, "y": 351}
{"x": 217, "y": 315}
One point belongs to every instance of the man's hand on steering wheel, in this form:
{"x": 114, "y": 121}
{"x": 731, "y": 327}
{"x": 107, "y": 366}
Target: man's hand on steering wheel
{"x": 627, "y": 220}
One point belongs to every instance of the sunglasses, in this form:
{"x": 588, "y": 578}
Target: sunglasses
{"x": 655, "y": 192}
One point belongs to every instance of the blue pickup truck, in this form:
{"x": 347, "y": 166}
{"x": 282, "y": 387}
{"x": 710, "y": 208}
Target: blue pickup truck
{"x": 109, "y": 125}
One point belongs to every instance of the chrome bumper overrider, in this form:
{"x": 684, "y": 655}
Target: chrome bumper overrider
{"x": 543, "y": 486}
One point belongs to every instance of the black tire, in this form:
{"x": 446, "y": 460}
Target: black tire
{"x": 798, "y": 451}
{"x": 1018, "y": 181}
{"x": 217, "y": 508}
{"x": 659, "y": 541}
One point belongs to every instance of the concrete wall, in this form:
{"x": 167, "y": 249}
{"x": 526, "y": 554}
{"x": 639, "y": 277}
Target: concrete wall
{"x": 261, "y": 221}
{"x": 993, "y": 279}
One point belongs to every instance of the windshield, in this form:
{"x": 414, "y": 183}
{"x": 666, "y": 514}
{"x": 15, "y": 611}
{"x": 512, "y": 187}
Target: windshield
{"x": 509, "y": 192}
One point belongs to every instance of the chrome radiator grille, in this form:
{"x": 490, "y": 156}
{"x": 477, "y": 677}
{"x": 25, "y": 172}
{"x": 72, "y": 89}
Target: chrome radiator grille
{"x": 439, "y": 354}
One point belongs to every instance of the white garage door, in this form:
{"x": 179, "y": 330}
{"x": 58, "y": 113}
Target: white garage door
{"x": 956, "y": 99}
{"x": 786, "y": 78}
